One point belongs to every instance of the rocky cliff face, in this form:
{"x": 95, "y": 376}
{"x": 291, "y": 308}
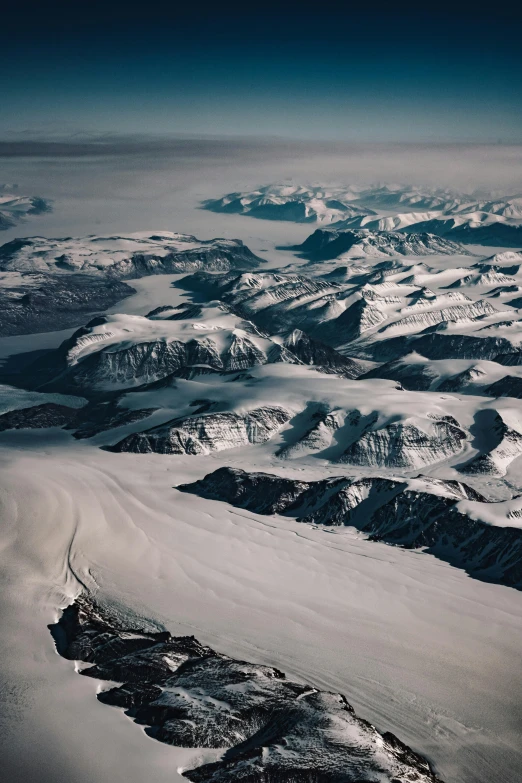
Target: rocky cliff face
{"x": 407, "y": 444}
{"x": 188, "y": 695}
{"x": 413, "y": 375}
{"x": 207, "y": 433}
{"x": 147, "y": 362}
{"x": 458, "y": 314}
{"x": 508, "y": 386}
{"x": 312, "y": 351}
{"x": 132, "y": 351}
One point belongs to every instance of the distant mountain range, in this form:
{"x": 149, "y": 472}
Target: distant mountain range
{"x": 458, "y": 216}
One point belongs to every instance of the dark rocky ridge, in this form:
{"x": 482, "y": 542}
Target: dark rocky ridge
{"x": 188, "y": 695}
{"x": 314, "y": 352}
{"x": 386, "y": 510}
{"x": 49, "y": 414}
{"x": 48, "y": 303}
{"x": 86, "y": 421}
{"x": 494, "y": 234}
{"x": 414, "y": 376}
{"x": 509, "y": 386}
{"x": 433, "y": 345}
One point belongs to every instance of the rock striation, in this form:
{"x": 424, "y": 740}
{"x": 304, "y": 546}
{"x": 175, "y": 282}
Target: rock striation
{"x": 207, "y": 433}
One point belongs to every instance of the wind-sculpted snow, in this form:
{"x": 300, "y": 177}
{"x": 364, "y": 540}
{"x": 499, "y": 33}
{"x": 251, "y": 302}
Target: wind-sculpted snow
{"x": 267, "y": 727}
{"x": 210, "y": 432}
{"x": 415, "y": 513}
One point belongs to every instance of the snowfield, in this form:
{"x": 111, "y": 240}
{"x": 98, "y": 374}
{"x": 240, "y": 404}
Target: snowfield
{"x": 308, "y": 461}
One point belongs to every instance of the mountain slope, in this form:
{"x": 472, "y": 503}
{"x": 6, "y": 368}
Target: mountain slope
{"x": 420, "y": 512}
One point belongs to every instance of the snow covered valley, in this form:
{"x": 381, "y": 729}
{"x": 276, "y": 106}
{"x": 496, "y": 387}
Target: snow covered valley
{"x": 393, "y": 376}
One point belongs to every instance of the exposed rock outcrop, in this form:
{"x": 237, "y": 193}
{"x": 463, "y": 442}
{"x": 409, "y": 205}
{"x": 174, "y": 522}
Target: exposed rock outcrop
{"x": 31, "y": 303}
{"x": 407, "y": 444}
{"x": 417, "y": 513}
{"x": 207, "y": 433}
{"x": 188, "y": 695}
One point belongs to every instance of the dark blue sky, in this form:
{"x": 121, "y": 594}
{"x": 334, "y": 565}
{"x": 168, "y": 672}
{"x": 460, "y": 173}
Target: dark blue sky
{"x": 334, "y": 71}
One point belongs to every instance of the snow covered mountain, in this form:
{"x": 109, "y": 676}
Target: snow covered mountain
{"x": 330, "y": 203}
{"x": 120, "y": 352}
{"x": 132, "y": 256}
{"x": 479, "y": 228}
{"x": 14, "y": 208}
{"x": 298, "y": 204}
{"x": 323, "y": 245}
{"x": 461, "y": 217}
{"x": 48, "y": 284}
{"x": 364, "y": 394}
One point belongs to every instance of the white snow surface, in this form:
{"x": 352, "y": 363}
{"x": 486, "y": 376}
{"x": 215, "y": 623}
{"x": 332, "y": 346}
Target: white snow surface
{"x": 417, "y": 646}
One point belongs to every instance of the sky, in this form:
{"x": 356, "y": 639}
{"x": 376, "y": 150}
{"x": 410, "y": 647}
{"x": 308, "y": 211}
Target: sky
{"x": 341, "y": 72}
